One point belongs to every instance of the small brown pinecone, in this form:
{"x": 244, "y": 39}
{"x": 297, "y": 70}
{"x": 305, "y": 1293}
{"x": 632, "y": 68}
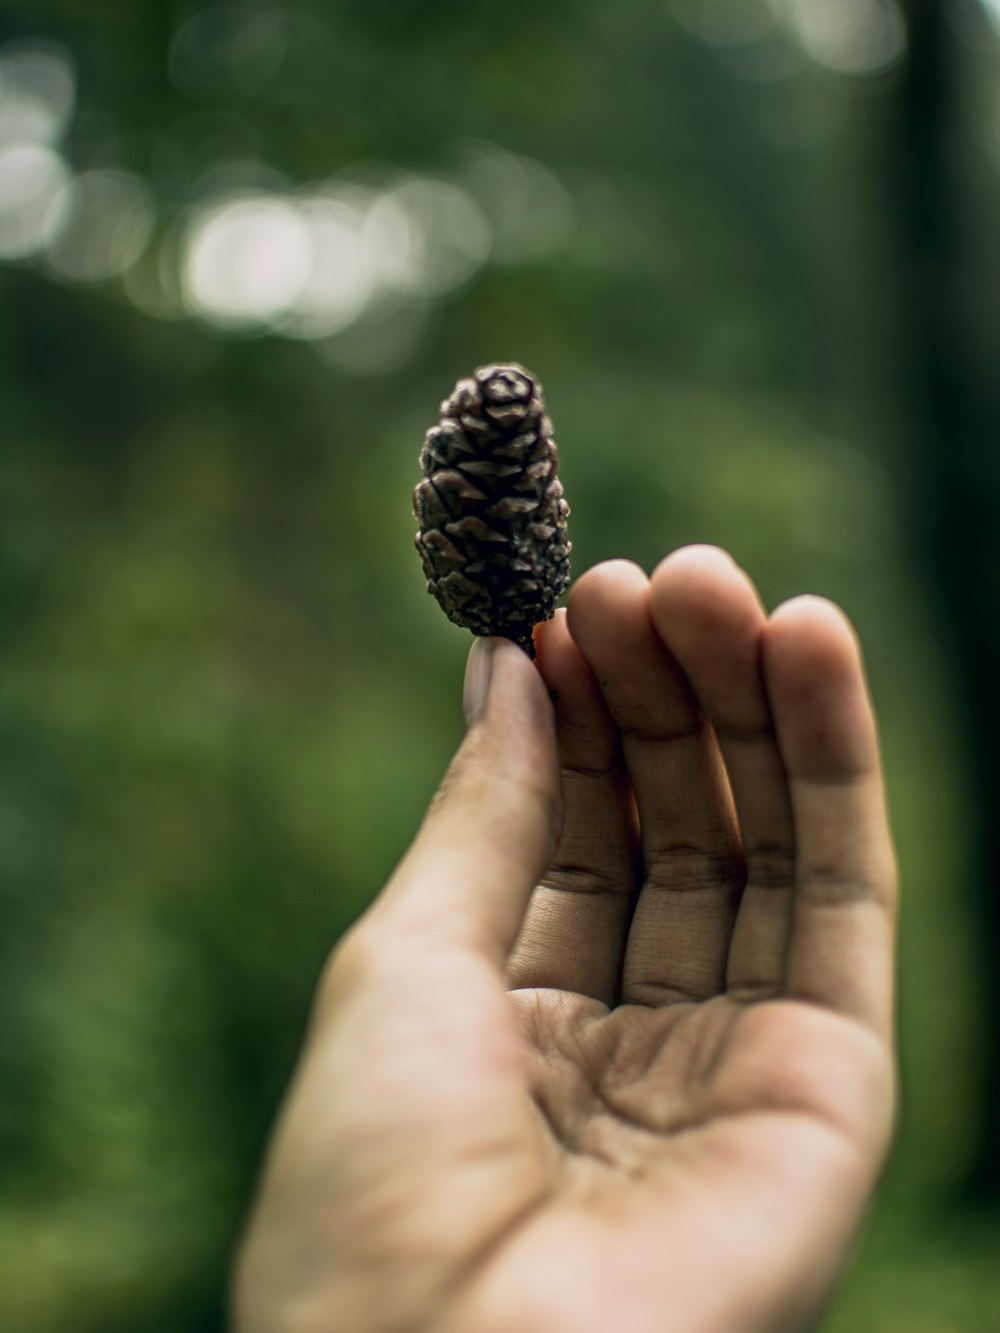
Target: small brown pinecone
{"x": 491, "y": 510}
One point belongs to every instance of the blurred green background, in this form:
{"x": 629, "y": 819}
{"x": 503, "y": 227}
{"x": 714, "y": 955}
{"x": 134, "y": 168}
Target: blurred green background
{"x": 752, "y": 247}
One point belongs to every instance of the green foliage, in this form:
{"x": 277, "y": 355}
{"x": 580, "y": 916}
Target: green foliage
{"x": 225, "y": 696}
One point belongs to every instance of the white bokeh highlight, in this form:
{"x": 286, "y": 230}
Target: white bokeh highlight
{"x": 341, "y": 276}
{"x": 246, "y": 261}
{"x": 33, "y": 178}
{"x": 857, "y": 37}
{"x": 356, "y": 265}
{"x": 850, "y": 37}
{"x": 308, "y": 266}
{"x": 37, "y": 93}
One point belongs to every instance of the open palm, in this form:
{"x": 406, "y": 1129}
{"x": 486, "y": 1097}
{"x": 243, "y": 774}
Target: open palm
{"x": 651, "y": 1092}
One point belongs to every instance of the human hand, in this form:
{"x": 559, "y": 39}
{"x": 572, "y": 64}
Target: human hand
{"x": 652, "y": 1094}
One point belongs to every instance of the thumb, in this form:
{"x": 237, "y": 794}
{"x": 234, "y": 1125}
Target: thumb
{"x": 492, "y": 829}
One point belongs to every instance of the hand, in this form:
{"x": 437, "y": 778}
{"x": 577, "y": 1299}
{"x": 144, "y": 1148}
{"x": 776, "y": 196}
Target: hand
{"x": 652, "y": 1094}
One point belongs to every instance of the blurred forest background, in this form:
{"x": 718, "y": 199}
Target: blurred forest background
{"x": 752, "y": 248}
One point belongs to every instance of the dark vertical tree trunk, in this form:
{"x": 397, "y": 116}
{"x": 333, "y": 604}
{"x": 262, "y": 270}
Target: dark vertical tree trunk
{"x": 951, "y": 411}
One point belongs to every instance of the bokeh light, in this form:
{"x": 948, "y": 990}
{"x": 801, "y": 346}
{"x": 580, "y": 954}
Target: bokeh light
{"x": 341, "y": 274}
{"x": 307, "y": 265}
{"x": 154, "y": 283}
{"x": 37, "y": 92}
{"x": 106, "y": 218}
{"x": 247, "y": 260}
{"x": 850, "y": 36}
{"x": 33, "y": 178}
{"x": 255, "y": 251}
{"x": 246, "y": 246}
{"x": 427, "y": 236}
{"x": 758, "y": 38}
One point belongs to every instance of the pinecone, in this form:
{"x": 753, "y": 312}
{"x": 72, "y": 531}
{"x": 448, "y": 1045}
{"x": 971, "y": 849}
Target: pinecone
{"x": 492, "y": 518}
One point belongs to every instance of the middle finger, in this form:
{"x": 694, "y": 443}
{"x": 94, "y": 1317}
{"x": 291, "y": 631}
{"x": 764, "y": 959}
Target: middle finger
{"x": 680, "y": 933}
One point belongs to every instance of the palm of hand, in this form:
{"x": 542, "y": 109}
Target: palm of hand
{"x": 674, "y": 1117}
{"x": 668, "y": 1154}
{"x": 621, "y": 1087}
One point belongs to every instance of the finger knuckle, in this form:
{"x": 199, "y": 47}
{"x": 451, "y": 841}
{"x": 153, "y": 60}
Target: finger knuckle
{"x": 686, "y": 867}
{"x": 770, "y": 865}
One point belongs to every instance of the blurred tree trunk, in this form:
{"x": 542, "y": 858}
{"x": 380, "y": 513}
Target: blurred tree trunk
{"x": 950, "y": 387}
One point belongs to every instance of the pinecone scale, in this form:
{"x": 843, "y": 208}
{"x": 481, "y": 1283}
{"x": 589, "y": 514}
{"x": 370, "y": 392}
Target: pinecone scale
{"x": 493, "y": 538}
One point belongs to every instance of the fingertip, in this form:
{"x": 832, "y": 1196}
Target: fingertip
{"x": 812, "y": 605}
{"x": 695, "y": 556}
{"x": 809, "y": 633}
{"x": 701, "y": 590}
{"x": 609, "y": 581}
{"x": 608, "y": 594}
{"x": 516, "y": 687}
{"x": 819, "y": 695}
{"x": 616, "y": 567}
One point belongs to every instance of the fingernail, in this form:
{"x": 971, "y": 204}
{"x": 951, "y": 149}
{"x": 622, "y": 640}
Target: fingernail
{"x": 477, "y": 678}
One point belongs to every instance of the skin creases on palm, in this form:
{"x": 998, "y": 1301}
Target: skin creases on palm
{"x": 545, "y": 1091}
{"x": 709, "y": 1138}
{"x": 621, "y": 1086}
